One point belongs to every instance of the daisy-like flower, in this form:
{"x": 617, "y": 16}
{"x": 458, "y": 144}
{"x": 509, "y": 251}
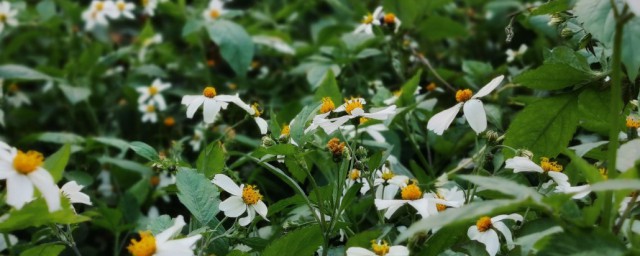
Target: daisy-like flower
{"x": 326, "y": 108}
{"x": 7, "y": 16}
{"x": 162, "y": 244}
{"x": 374, "y": 130}
{"x": 149, "y": 7}
{"x": 211, "y": 102}
{"x": 411, "y": 194}
{"x": 121, "y": 8}
{"x": 386, "y": 183}
{"x": 255, "y": 111}
{"x": 368, "y": 21}
{"x": 391, "y": 20}
{"x": 196, "y": 140}
{"x": 512, "y": 55}
{"x": 15, "y": 97}
{"x": 473, "y": 109}
{"x": 152, "y": 93}
{"x": 23, "y": 171}
{"x": 453, "y": 198}
{"x": 244, "y": 198}
{"x": 96, "y": 14}
{"x": 214, "y": 11}
{"x": 355, "y": 176}
{"x": 484, "y": 232}
{"x": 379, "y": 247}
{"x": 149, "y": 113}
{"x": 633, "y": 123}
{"x": 553, "y": 169}
{"x": 354, "y": 109}
{"x": 71, "y": 190}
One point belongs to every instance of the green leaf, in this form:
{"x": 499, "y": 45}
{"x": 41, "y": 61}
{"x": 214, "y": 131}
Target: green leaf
{"x": 593, "y": 109}
{"x": 545, "y": 127}
{"x": 583, "y": 244}
{"x": 363, "y": 239}
{"x": 198, "y": 194}
{"x": 440, "y": 27}
{"x": 51, "y": 249}
{"x": 12, "y": 71}
{"x": 159, "y": 224}
{"x": 235, "y": 44}
{"x": 127, "y": 165}
{"x": 56, "y": 163}
{"x": 630, "y": 49}
{"x": 75, "y": 94}
{"x": 588, "y": 170}
{"x": 329, "y": 88}
{"x": 150, "y": 70}
{"x": 529, "y": 242}
{"x": 36, "y": 214}
{"x": 46, "y": 9}
{"x": 144, "y": 150}
{"x": 553, "y": 76}
{"x": 297, "y": 128}
{"x": 61, "y": 137}
{"x": 610, "y": 185}
{"x": 552, "y": 7}
{"x": 304, "y": 241}
{"x": 211, "y": 160}
{"x": 408, "y": 90}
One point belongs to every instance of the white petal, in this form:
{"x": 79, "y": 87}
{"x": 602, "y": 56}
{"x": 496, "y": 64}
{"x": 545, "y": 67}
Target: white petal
{"x": 171, "y": 231}
{"x": 210, "y": 110}
{"x": 261, "y": 208}
{"x": 505, "y": 232}
{"x": 334, "y": 124}
{"x": 491, "y": 241}
{"x": 560, "y": 178}
{"x": 19, "y": 190}
{"x": 441, "y": 121}
{"x": 262, "y": 124}
{"x": 514, "y": 216}
{"x": 227, "y": 184}
{"x": 473, "y": 233}
{"x": 71, "y": 190}
{"x": 475, "y": 115}
{"x": 250, "y": 216}
{"x": 382, "y": 114}
{"x": 391, "y": 205}
{"x": 489, "y": 87}
{"x": 43, "y": 180}
{"x": 398, "y": 250}
{"x": 193, "y": 105}
{"x": 359, "y": 251}
{"x": 233, "y": 206}
{"x": 422, "y": 206}
{"x": 181, "y": 246}
{"x": 235, "y": 99}
{"x": 162, "y": 104}
{"x": 522, "y": 164}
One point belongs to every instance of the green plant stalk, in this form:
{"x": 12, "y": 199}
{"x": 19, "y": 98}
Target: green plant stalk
{"x": 320, "y": 218}
{"x": 614, "y": 115}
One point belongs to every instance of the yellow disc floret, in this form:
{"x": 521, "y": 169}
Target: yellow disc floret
{"x": 251, "y": 195}
{"x": 411, "y": 192}
{"x": 352, "y": 104}
{"x": 3, "y": 17}
{"x": 354, "y": 174}
{"x": 363, "y": 120}
{"x": 26, "y": 163}
{"x": 550, "y": 166}
{"x": 432, "y": 87}
{"x": 99, "y": 6}
{"x": 153, "y": 90}
{"x": 285, "y": 130}
{"x": 603, "y": 172}
{"x": 214, "y": 13}
{"x": 484, "y": 224}
{"x": 368, "y": 19}
{"x": 151, "y": 108}
{"x": 633, "y": 123}
{"x": 256, "y": 109}
{"x": 463, "y": 95}
{"x": 209, "y": 92}
{"x": 387, "y": 175}
{"x": 146, "y": 246}
{"x": 335, "y": 146}
{"x": 380, "y": 248}
{"x": 145, "y": 2}
{"x": 440, "y": 207}
{"x": 327, "y": 105}
{"x": 121, "y": 6}
{"x": 389, "y": 18}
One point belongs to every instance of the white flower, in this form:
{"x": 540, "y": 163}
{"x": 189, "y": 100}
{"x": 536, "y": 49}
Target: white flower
{"x": 212, "y": 103}
{"x": 412, "y": 195}
{"x": 215, "y": 10}
{"x": 96, "y": 14}
{"x": 553, "y": 169}
{"x": 386, "y": 183}
{"x": 152, "y": 93}
{"x": 71, "y": 190}
{"x": 161, "y": 244}
{"x": 484, "y": 232}
{"x": 379, "y": 248}
{"x": 253, "y": 110}
{"x": 149, "y": 7}
{"x": 155, "y": 39}
{"x": 121, "y": 8}
{"x": 23, "y": 171}
{"x": 453, "y": 198}
{"x": 244, "y": 198}
{"x": 12, "y": 239}
{"x": 15, "y": 97}
{"x": 634, "y": 5}
{"x": 105, "y": 188}
{"x": 374, "y": 130}
{"x": 473, "y": 109}
{"x": 392, "y": 19}
{"x": 196, "y": 140}
{"x": 149, "y": 113}
{"x": 512, "y": 55}
{"x": 7, "y": 15}
{"x": 368, "y": 21}
{"x": 354, "y": 109}
{"x": 354, "y": 176}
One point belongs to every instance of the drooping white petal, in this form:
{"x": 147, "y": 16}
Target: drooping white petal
{"x": 398, "y": 250}
{"x": 492, "y": 85}
{"x": 627, "y": 156}
{"x": 261, "y": 209}
{"x": 250, "y": 216}
{"x": 559, "y": 178}
{"x": 72, "y": 189}
{"x": 441, "y": 121}
{"x": 227, "y": 184}
{"x": 491, "y": 241}
{"x": 19, "y": 190}
{"x": 43, "y": 180}
{"x": 475, "y": 115}
{"x": 505, "y": 232}
{"x": 359, "y": 251}
{"x": 170, "y": 232}
{"x": 233, "y": 206}
{"x": 181, "y": 246}
{"x": 262, "y": 124}
{"x": 162, "y": 104}
{"x": 210, "y": 110}
{"x": 513, "y": 216}
{"x": 382, "y": 114}
{"x": 423, "y": 206}
{"x": 334, "y": 124}
{"x": 522, "y": 164}
{"x": 391, "y": 205}
{"x": 193, "y": 105}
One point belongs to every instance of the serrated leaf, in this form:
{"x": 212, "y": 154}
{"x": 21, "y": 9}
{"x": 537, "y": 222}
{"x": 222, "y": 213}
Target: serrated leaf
{"x": 236, "y": 46}
{"x": 144, "y": 150}
{"x": 553, "y": 76}
{"x": 12, "y": 71}
{"x": 198, "y": 194}
{"x": 211, "y": 160}
{"x": 304, "y": 241}
{"x": 545, "y": 127}
{"x": 159, "y": 224}
{"x": 56, "y": 162}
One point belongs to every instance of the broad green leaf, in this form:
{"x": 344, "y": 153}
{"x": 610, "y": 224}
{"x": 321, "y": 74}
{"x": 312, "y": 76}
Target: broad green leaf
{"x": 159, "y": 224}
{"x": 408, "y": 90}
{"x": 504, "y": 186}
{"x": 593, "y": 107}
{"x": 198, "y": 194}
{"x": 584, "y": 244}
{"x": 630, "y": 49}
{"x": 61, "y": 137}
{"x": 567, "y": 56}
{"x": 50, "y": 249}
{"x": 235, "y": 44}
{"x": 444, "y": 239}
{"x": 144, "y": 150}
{"x": 211, "y": 160}
{"x": 304, "y": 241}
{"x": 150, "y": 70}
{"x": 617, "y": 184}
{"x": 329, "y": 88}
{"x": 56, "y": 163}
{"x": 75, "y": 94}
{"x": 36, "y": 214}
{"x": 114, "y": 142}
{"x": 588, "y": 170}
{"x": 145, "y": 171}
{"x": 439, "y": 27}
{"x": 297, "y": 128}
{"x": 529, "y": 242}
{"x": 369, "y": 52}
{"x": 363, "y": 239}
{"x": 191, "y": 26}
{"x": 552, "y": 7}
{"x": 545, "y": 127}
{"x": 553, "y": 76}
{"x": 12, "y": 71}
{"x": 46, "y": 9}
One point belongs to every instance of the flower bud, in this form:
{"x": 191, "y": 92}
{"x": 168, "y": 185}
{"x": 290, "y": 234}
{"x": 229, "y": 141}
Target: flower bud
{"x": 267, "y": 141}
{"x": 567, "y": 33}
{"x": 525, "y": 153}
{"x": 361, "y": 153}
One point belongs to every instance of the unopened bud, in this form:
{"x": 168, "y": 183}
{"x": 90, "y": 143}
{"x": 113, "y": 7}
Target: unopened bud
{"x": 525, "y": 153}
{"x": 492, "y": 136}
{"x": 267, "y": 141}
{"x": 361, "y": 153}
{"x": 567, "y": 33}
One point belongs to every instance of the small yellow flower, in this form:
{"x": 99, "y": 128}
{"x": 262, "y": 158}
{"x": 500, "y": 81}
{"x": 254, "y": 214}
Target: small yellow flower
{"x": 411, "y": 192}
{"x": 251, "y": 195}
{"x": 463, "y": 95}
{"x": 483, "y": 224}
{"x": 550, "y": 166}
{"x": 327, "y": 105}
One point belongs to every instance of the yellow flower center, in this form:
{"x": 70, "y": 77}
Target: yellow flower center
{"x": 145, "y": 2}
{"x": 327, "y": 105}
{"x": 251, "y": 195}
{"x": 463, "y": 95}
{"x": 354, "y": 174}
{"x": 604, "y": 173}
{"x": 151, "y": 109}
{"x": 432, "y": 87}
{"x": 352, "y": 104}
{"x": 99, "y": 6}
{"x": 368, "y": 19}
{"x": 387, "y": 175}
{"x": 335, "y": 146}
{"x": 2, "y": 17}
{"x": 155, "y": 180}
{"x": 169, "y": 121}
{"x": 363, "y": 120}
{"x": 285, "y": 130}
{"x": 550, "y": 166}
{"x": 440, "y": 207}
{"x": 26, "y": 163}
{"x": 389, "y": 18}
{"x": 256, "y": 108}
{"x": 380, "y": 248}
{"x": 121, "y": 6}
{"x": 633, "y": 123}
{"x": 209, "y": 92}
{"x": 397, "y": 93}
{"x": 146, "y": 246}
{"x": 484, "y": 224}
{"x": 153, "y": 90}
{"x": 411, "y": 192}
{"x": 214, "y": 13}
